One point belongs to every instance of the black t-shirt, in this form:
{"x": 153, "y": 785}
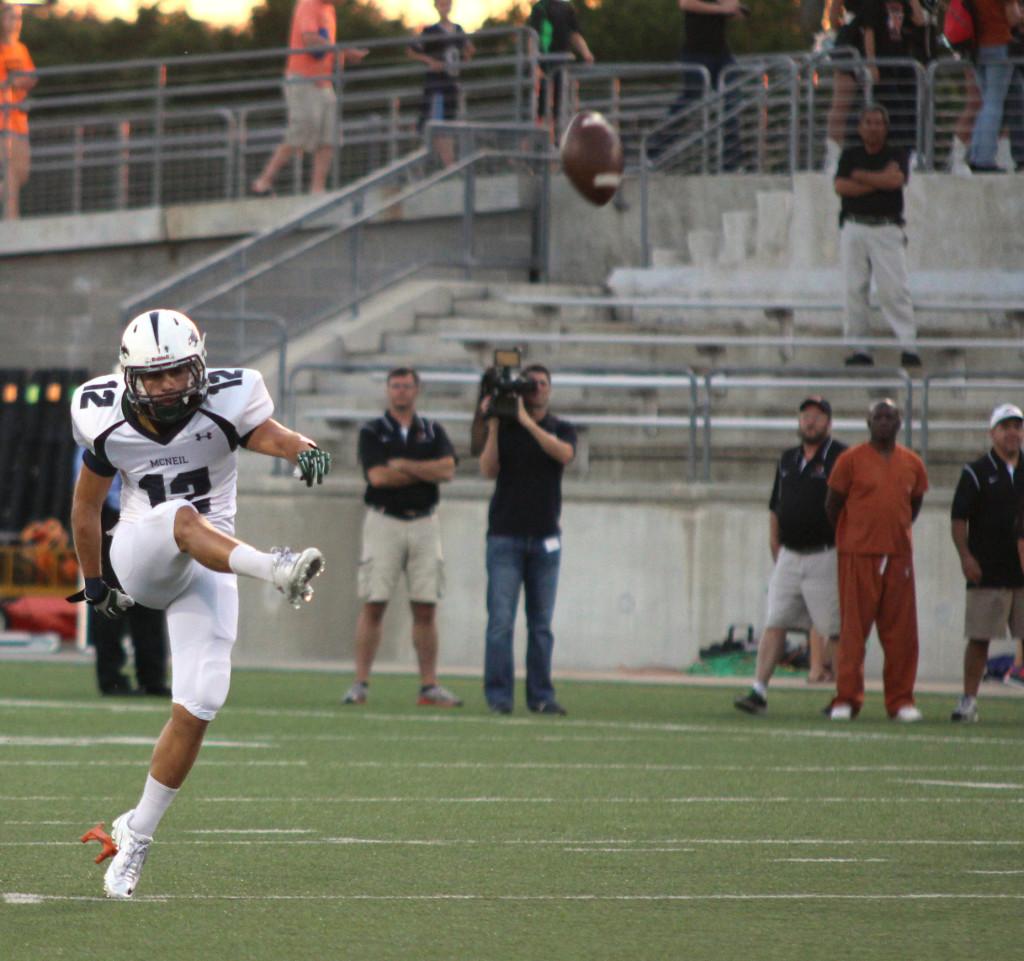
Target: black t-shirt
{"x": 878, "y": 203}
{"x": 445, "y": 46}
{"x": 381, "y": 439}
{"x": 563, "y": 21}
{"x": 798, "y": 496}
{"x": 989, "y": 501}
{"x": 527, "y": 499}
{"x": 892, "y": 21}
{"x": 705, "y": 33}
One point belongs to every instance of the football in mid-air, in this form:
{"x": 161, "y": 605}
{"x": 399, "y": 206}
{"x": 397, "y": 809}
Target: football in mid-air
{"x": 592, "y": 157}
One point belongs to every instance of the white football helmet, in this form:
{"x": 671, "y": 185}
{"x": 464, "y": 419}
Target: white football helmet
{"x": 162, "y": 340}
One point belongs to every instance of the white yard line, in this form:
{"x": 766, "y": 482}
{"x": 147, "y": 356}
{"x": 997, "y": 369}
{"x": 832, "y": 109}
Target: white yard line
{"x": 983, "y": 785}
{"x": 113, "y": 741}
{"x": 29, "y": 899}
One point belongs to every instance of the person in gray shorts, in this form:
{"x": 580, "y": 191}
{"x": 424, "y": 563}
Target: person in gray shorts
{"x": 405, "y": 457}
{"x": 804, "y": 588}
{"x": 985, "y": 531}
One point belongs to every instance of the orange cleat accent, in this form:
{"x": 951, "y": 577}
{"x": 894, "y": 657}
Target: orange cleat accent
{"x": 98, "y": 834}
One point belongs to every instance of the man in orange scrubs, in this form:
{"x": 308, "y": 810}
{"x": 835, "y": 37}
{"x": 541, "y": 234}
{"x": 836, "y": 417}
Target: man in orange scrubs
{"x": 875, "y": 493}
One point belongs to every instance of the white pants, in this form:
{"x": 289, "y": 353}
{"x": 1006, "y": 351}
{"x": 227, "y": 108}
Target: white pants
{"x": 878, "y": 252}
{"x": 201, "y": 606}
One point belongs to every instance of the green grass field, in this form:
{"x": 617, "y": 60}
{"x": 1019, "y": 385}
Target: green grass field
{"x": 653, "y": 823}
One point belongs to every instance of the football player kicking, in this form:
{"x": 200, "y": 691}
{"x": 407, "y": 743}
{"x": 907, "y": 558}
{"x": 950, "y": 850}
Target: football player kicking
{"x": 172, "y": 429}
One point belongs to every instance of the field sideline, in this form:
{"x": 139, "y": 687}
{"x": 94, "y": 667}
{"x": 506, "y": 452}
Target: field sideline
{"x": 655, "y": 822}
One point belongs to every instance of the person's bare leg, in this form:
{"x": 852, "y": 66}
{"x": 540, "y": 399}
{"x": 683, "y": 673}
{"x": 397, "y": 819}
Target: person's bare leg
{"x": 177, "y": 747}
{"x": 368, "y": 631}
{"x": 321, "y": 168}
{"x": 975, "y": 662}
{"x": 277, "y": 160}
{"x": 821, "y": 666}
{"x": 424, "y": 639}
{"x": 769, "y": 651}
{"x": 844, "y": 89}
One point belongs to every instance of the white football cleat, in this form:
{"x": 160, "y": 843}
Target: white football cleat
{"x": 122, "y": 876}
{"x": 841, "y": 712}
{"x": 908, "y": 714}
{"x": 292, "y": 572}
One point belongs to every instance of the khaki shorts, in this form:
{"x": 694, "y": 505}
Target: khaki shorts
{"x": 312, "y": 115}
{"x": 990, "y": 610}
{"x": 391, "y": 546}
{"x": 804, "y": 592}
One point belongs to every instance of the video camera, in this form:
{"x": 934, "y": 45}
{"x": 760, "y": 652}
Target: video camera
{"x": 505, "y": 384}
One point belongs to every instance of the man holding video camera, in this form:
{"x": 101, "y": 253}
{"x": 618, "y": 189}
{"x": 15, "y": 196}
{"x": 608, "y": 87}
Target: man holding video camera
{"x": 526, "y": 450}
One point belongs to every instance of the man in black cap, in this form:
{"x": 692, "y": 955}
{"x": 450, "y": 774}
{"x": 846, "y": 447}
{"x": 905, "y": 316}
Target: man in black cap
{"x": 803, "y": 591}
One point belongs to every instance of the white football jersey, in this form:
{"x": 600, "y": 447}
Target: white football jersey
{"x": 195, "y": 460}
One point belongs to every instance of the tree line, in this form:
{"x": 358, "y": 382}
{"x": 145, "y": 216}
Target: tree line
{"x": 640, "y": 30}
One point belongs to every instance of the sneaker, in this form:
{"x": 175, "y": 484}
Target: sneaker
{"x": 437, "y": 696}
{"x": 966, "y": 711}
{"x": 548, "y": 707}
{"x": 292, "y": 573}
{"x": 502, "y": 707}
{"x": 1014, "y": 677}
{"x": 859, "y": 359}
{"x": 356, "y": 694}
{"x": 751, "y": 703}
{"x": 909, "y": 359}
{"x": 908, "y": 714}
{"x": 122, "y": 877}
{"x": 840, "y": 712}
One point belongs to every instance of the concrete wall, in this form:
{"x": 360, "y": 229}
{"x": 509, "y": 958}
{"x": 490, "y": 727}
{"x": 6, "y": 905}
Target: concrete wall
{"x": 644, "y": 583}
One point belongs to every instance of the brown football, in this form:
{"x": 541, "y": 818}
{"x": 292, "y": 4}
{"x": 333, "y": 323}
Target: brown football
{"x": 592, "y": 157}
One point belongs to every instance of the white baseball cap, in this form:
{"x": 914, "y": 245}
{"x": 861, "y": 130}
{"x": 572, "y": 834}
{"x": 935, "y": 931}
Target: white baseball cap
{"x": 1005, "y": 412}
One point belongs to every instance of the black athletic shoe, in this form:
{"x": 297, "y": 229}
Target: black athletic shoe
{"x": 548, "y": 707}
{"x": 501, "y": 708}
{"x": 859, "y": 359}
{"x": 751, "y": 703}
{"x": 909, "y": 359}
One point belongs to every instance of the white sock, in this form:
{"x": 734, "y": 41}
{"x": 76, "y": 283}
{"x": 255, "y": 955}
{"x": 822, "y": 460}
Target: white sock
{"x": 250, "y": 562}
{"x": 155, "y": 800}
{"x": 761, "y": 690}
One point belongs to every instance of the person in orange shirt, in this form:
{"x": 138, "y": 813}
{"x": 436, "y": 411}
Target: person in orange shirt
{"x": 309, "y": 94}
{"x": 20, "y": 79}
{"x": 875, "y": 494}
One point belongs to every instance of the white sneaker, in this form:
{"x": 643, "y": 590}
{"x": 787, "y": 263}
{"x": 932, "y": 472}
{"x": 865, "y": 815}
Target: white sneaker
{"x": 908, "y": 714}
{"x": 841, "y": 712}
{"x": 292, "y": 572}
{"x": 122, "y": 876}
{"x": 966, "y": 710}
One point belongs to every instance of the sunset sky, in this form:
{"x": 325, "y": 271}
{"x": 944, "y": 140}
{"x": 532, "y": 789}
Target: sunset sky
{"x": 469, "y": 13}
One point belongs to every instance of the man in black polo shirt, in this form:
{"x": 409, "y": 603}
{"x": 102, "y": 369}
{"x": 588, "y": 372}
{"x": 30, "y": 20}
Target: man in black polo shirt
{"x": 524, "y": 542}
{"x": 804, "y": 588}
{"x": 404, "y": 458}
{"x": 870, "y": 180}
{"x": 984, "y": 528}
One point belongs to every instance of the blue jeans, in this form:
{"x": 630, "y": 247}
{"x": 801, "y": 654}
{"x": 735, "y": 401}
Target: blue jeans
{"x": 995, "y": 76}
{"x": 514, "y": 562}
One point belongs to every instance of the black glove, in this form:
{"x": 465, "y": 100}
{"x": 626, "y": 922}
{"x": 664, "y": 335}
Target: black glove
{"x": 313, "y": 466}
{"x": 99, "y": 595}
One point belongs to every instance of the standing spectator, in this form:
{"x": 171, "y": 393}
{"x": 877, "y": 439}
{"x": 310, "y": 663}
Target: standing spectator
{"x": 888, "y": 33}
{"x": 984, "y": 519}
{"x": 146, "y": 627}
{"x": 16, "y": 61}
{"x": 309, "y": 94}
{"x": 843, "y": 17}
{"x": 442, "y": 48}
{"x": 404, "y": 457}
{"x": 559, "y": 32}
{"x": 802, "y": 591}
{"x": 994, "y": 20}
{"x": 524, "y": 541}
{"x": 875, "y": 493}
{"x": 870, "y": 181}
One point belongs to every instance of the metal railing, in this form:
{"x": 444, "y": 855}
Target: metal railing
{"x": 961, "y": 383}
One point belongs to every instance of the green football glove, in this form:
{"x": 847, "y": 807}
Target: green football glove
{"x": 313, "y": 465}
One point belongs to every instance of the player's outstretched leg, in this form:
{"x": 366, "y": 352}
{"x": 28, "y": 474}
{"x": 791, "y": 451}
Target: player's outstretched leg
{"x": 289, "y": 571}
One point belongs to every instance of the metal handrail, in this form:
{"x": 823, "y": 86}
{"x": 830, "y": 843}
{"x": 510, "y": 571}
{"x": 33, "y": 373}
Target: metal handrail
{"x": 805, "y": 377}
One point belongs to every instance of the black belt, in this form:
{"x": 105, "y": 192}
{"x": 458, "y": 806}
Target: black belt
{"x": 409, "y": 515}
{"x": 873, "y": 221}
{"x": 817, "y": 549}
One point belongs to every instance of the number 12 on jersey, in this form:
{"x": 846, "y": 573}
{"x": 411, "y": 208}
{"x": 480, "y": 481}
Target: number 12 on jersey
{"x": 194, "y": 484}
